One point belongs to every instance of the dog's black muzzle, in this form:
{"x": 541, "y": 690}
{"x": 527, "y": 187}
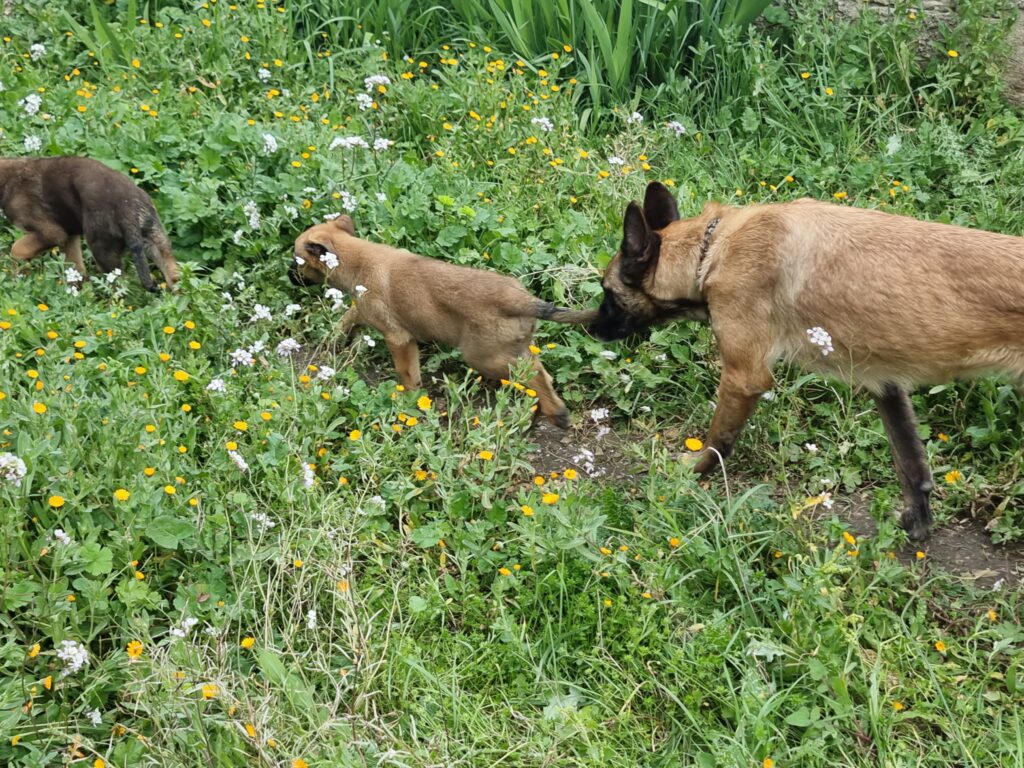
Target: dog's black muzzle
{"x": 296, "y": 277}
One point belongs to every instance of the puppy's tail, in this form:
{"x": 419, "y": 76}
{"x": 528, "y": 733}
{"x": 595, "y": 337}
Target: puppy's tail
{"x": 544, "y": 310}
{"x": 138, "y": 250}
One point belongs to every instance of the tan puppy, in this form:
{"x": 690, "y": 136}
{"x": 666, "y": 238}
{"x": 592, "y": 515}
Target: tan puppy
{"x": 57, "y": 200}
{"x": 409, "y": 299}
{"x": 884, "y": 301}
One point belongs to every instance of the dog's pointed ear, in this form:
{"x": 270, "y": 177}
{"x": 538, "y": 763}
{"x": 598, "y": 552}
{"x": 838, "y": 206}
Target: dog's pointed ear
{"x": 318, "y": 243}
{"x": 635, "y": 248}
{"x": 660, "y": 207}
{"x": 344, "y": 223}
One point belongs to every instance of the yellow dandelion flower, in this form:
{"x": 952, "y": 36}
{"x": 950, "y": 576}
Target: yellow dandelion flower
{"x": 39, "y": 408}
{"x": 898, "y": 706}
{"x": 569, "y": 474}
{"x": 424, "y": 403}
{"x": 954, "y": 476}
{"x": 134, "y": 649}
{"x": 550, "y": 498}
{"x": 486, "y": 455}
{"x": 34, "y": 650}
{"x": 849, "y": 538}
{"x": 297, "y": 562}
{"x": 674, "y": 542}
{"x": 248, "y": 642}
{"x": 693, "y": 444}
{"x": 504, "y": 571}
{"x": 354, "y": 435}
{"x": 952, "y": 53}
{"x": 940, "y": 646}
{"x": 121, "y": 494}
{"x": 168, "y": 329}
{"x": 170, "y": 490}
{"x": 56, "y": 501}
{"x": 241, "y": 426}
{"x": 210, "y": 691}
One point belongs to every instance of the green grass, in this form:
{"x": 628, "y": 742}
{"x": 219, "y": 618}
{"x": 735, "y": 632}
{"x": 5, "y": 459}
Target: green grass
{"x": 638, "y": 621}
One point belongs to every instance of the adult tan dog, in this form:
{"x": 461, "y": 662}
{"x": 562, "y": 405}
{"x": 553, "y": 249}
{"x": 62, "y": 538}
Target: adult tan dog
{"x": 409, "y": 299}
{"x": 884, "y": 301}
{"x": 57, "y": 200}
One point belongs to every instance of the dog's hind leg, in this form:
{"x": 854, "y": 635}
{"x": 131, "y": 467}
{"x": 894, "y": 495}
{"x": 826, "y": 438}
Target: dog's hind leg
{"x": 407, "y": 361}
{"x": 549, "y": 404}
{"x": 909, "y": 457}
{"x": 30, "y": 246}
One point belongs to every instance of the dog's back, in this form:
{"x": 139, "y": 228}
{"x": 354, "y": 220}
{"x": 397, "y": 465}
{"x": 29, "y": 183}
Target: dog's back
{"x": 905, "y": 301}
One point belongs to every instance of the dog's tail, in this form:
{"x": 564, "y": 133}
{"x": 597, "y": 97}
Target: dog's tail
{"x": 544, "y": 310}
{"x": 160, "y": 246}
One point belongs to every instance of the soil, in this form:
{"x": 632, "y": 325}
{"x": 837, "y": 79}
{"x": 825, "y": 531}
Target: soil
{"x": 960, "y": 547}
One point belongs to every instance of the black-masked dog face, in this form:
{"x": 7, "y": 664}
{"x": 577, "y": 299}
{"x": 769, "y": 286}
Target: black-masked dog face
{"x": 310, "y": 261}
{"x": 627, "y": 309}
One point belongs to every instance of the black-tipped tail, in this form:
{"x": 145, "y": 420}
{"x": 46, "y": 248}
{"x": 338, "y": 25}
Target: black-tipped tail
{"x": 142, "y": 266}
{"x": 547, "y": 311}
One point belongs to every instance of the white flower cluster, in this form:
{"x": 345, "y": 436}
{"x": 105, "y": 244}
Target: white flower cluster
{"x": 676, "y": 127}
{"x": 634, "y": 119}
{"x": 365, "y": 101}
{"x": 252, "y": 211}
{"x": 186, "y": 626}
{"x": 598, "y": 416}
{"x": 113, "y": 275}
{"x": 288, "y": 347}
{"x": 263, "y": 74}
{"x": 337, "y": 297}
{"x": 821, "y": 338}
{"x": 74, "y": 655}
{"x": 36, "y": 51}
{"x": 308, "y": 478}
{"x": 12, "y": 469}
{"x": 373, "y": 81}
{"x": 616, "y": 160}
{"x": 236, "y": 457}
{"x": 260, "y": 312}
{"x": 311, "y": 619}
{"x": 269, "y": 144}
{"x": 325, "y": 373}
{"x": 348, "y": 201}
{"x": 242, "y": 356}
{"x": 61, "y": 538}
{"x": 292, "y": 309}
{"x": 33, "y": 143}
{"x": 330, "y": 260}
{"x": 31, "y": 103}
{"x": 262, "y": 521}
{"x": 543, "y": 123}
{"x": 216, "y": 385}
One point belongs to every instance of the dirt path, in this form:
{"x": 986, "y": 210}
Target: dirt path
{"x": 960, "y": 547}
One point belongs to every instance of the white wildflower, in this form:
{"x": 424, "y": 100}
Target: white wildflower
{"x": 810, "y": 447}
{"x": 608, "y": 354}
{"x": 311, "y": 619}
{"x": 36, "y": 51}
{"x": 616, "y": 160}
{"x": 186, "y": 626}
{"x": 380, "y": 144}
{"x": 291, "y": 211}
{"x": 236, "y": 457}
{"x": 364, "y": 101}
{"x": 348, "y": 142}
{"x": 217, "y": 385}
{"x": 373, "y": 81}
{"x": 257, "y": 346}
{"x": 308, "y": 478}
{"x": 33, "y": 143}
{"x": 820, "y": 338}
{"x": 360, "y": 290}
{"x": 263, "y": 74}
{"x": 237, "y": 236}
{"x": 260, "y": 312}
{"x": 325, "y": 373}
{"x": 94, "y": 716}
{"x": 826, "y": 500}
{"x": 74, "y": 655}
{"x": 381, "y": 197}
{"x": 72, "y": 275}
{"x": 60, "y": 537}
{"x": 634, "y": 119}
{"x": 31, "y": 103}
{"x": 543, "y": 123}
{"x": 12, "y": 469}
{"x": 292, "y": 309}
{"x": 769, "y": 395}
{"x": 262, "y": 520}
{"x": 348, "y": 201}
{"x": 369, "y": 341}
{"x": 287, "y": 347}
{"x": 269, "y": 144}
{"x": 113, "y": 275}
{"x": 676, "y": 127}
{"x": 241, "y": 357}
{"x": 336, "y": 296}
{"x": 252, "y": 211}
{"x": 330, "y": 260}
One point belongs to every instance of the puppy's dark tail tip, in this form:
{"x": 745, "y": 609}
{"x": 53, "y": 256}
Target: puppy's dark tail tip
{"x": 547, "y": 311}
{"x": 142, "y": 267}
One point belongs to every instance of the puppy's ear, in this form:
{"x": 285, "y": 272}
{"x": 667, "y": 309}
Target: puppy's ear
{"x": 636, "y": 241}
{"x": 344, "y": 223}
{"x": 660, "y": 207}
{"x": 317, "y": 245}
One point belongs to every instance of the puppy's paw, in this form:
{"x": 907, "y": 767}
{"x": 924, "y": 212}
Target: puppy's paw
{"x": 915, "y": 525}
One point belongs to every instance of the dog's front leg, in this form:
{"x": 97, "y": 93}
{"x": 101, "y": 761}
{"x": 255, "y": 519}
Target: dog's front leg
{"x": 909, "y": 456}
{"x": 739, "y": 390}
{"x": 407, "y": 361}
{"x": 348, "y": 324}
{"x": 73, "y": 252}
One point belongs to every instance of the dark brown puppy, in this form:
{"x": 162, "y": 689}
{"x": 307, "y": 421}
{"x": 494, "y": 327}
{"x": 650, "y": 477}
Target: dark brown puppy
{"x": 409, "y": 299}
{"x": 887, "y": 302}
{"x": 57, "y": 200}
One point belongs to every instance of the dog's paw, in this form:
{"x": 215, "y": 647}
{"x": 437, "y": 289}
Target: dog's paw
{"x": 915, "y": 525}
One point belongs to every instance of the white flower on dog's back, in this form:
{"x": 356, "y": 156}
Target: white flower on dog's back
{"x": 365, "y": 101}
{"x": 36, "y": 51}
{"x": 269, "y": 144}
{"x": 217, "y": 385}
{"x": 12, "y": 469}
{"x": 543, "y": 123}
{"x": 360, "y": 290}
{"x": 74, "y": 655}
{"x": 253, "y": 212}
{"x": 241, "y": 357}
{"x": 260, "y": 312}
{"x": 634, "y": 119}
{"x": 330, "y": 260}
{"x": 821, "y": 338}
{"x": 292, "y": 309}
{"x": 33, "y": 143}
{"x": 374, "y": 80}
{"x": 287, "y": 347}
{"x": 676, "y": 127}
{"x": 31, "y": 103}
{"x": 380, "y": 144}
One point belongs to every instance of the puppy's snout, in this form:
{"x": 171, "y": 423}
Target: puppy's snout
{"x": 294, "y": 276}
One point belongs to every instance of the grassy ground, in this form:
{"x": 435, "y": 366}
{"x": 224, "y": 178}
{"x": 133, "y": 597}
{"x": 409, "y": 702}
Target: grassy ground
{"x": 388, "y": 581}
